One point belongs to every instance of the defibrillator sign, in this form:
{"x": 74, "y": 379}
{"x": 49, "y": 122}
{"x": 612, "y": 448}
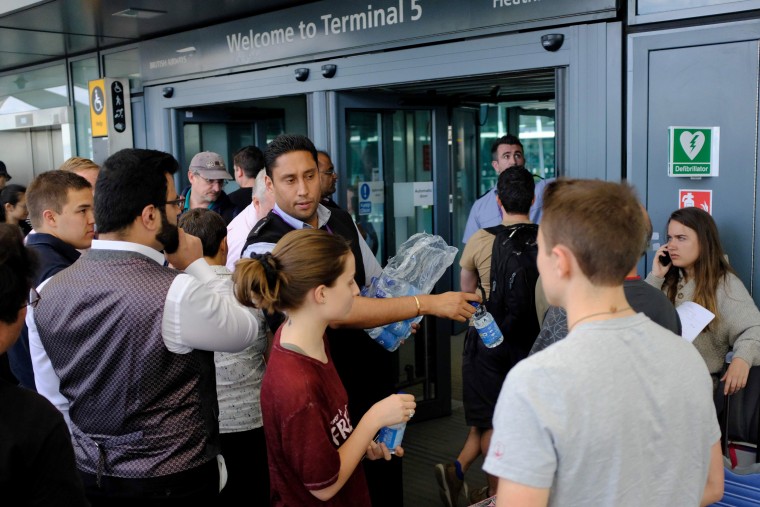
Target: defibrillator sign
{"x": 693, "y": 151}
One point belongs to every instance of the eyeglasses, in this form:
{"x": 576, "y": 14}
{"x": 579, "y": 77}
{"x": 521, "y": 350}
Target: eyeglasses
{"x": 179, "y": 202}
{"x": 210, "y": 182}
{"x": 34, "y": 298}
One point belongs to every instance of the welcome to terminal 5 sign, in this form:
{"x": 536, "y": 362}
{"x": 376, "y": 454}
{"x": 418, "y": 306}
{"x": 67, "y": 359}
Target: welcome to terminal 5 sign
{"x": 332, "y": 26}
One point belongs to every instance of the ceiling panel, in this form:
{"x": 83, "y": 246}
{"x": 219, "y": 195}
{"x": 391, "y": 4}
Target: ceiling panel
{"x": 58, "y": 28}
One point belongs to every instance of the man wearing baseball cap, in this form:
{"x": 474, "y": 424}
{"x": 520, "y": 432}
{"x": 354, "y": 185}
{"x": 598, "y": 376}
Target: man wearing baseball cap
{"x": 207, "y": 174}
{"x": 4, "y": 176}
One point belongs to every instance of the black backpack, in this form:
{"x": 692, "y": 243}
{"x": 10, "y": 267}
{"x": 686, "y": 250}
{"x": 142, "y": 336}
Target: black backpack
{"x": 514, "y": 274}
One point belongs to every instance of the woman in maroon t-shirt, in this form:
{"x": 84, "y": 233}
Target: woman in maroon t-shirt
{"x": 313, "y": 449}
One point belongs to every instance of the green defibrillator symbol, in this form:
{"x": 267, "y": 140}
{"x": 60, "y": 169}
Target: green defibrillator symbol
{"x": 693, "y": 151}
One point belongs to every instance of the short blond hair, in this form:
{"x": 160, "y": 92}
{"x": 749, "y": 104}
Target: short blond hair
{"x": 77, "y": 164}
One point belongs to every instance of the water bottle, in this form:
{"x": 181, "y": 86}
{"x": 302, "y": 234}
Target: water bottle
{"x": 392, "y": 436}
{"x": 388, "y": 287}
{"x": 488, "y": 331}
{"x": 386, "y": 339}
{"x": 391, "y": 335}
{"x": 402, "y": 328}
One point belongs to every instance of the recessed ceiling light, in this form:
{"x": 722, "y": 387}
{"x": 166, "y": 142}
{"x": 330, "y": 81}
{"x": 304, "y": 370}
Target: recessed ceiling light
{"x": 139, "y": 13}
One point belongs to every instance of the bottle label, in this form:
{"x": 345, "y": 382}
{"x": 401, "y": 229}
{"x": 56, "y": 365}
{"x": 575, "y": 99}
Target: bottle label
{"x": 392, "y": 436}
{"x": 402, "y": 328}
{"x": 491, "y": 335}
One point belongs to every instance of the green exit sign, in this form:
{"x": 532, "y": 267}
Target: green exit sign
{"x": 693, "y": 151}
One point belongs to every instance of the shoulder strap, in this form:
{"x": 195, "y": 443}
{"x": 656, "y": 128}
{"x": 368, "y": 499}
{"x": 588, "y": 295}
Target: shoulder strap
{"x": 496, "y": 229}
{"x": 520, "y": 234}
{"x": 267, "y": 230}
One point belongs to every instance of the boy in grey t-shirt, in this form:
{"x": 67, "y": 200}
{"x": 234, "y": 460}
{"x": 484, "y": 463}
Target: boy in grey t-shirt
{"x": 620, "y": 413}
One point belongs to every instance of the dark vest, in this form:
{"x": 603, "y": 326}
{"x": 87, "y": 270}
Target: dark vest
{"x": 329, "y": 203}
{"x": 272, "y": 227}
{"x": 53, "y": 255}
{"x": 137, "y": 410}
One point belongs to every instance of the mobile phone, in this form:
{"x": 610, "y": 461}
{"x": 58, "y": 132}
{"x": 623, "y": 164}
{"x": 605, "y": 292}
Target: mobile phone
{"x": 665, "y": 259}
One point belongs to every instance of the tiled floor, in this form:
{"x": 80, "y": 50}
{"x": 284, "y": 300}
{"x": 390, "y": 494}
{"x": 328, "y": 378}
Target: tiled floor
{"x": 428, "y": 443}
{"x": 437, "y": 441}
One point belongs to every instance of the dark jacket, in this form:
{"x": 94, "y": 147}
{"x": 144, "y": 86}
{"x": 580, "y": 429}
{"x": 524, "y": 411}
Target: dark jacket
{"x": 223, "y": 205}
{"x": 240, "y": 199}
{"x": 53, "y": 256}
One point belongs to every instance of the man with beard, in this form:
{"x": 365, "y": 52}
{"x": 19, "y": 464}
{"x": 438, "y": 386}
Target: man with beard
{"x": 328, "y": 178}
{"x": 122, "y": 345}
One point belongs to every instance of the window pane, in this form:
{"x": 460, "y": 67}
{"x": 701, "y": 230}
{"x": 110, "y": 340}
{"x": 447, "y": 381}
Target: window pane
{"x": 532, "y": 122}
{"x": 82, "y": 72}
{"x": 34, "y": 89}
{"x": 124, "y": 64}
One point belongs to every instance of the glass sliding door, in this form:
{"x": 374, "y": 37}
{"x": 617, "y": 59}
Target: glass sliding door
{"x": 395, "y": 183}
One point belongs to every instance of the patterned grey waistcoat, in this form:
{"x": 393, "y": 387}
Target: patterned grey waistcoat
{"x": 137, "y": 410}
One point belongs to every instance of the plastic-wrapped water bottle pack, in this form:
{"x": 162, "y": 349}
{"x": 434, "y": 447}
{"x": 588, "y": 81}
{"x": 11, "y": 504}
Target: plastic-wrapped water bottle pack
{"x": 415, "y": 269}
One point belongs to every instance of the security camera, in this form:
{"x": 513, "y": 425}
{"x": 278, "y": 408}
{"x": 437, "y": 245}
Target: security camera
{"x": 552, "y": 41}
{"x": 302, "y": 74}
{"x": 167, "y": 92}
{"x": 329, "y": 70}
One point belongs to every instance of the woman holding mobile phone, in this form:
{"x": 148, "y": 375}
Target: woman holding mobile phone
{"x": 691, "y": 266}
{"x": 314, "y": 449}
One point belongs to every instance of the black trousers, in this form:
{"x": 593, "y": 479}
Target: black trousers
{"x": 245, "y": 454}
{"x": 175, "y": 490}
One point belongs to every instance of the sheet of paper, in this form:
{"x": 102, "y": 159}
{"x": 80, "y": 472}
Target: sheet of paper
{"x": 694, "y": 318}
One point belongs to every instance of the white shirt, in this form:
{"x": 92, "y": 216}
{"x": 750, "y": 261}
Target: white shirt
{"x": 199, "y": 314}
{"x": 372, "y": 268}
{"x": 239, "y": 375}
{"x": 237, "y": 233}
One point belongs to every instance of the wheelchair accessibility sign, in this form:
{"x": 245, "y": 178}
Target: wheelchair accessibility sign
{"x": 98, "y": 109}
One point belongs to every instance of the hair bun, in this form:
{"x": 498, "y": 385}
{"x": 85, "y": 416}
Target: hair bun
{"x": 269, "y": 263}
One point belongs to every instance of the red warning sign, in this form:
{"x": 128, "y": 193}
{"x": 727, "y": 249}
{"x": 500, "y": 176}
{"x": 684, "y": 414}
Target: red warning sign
{"x": 695, "y": 199}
